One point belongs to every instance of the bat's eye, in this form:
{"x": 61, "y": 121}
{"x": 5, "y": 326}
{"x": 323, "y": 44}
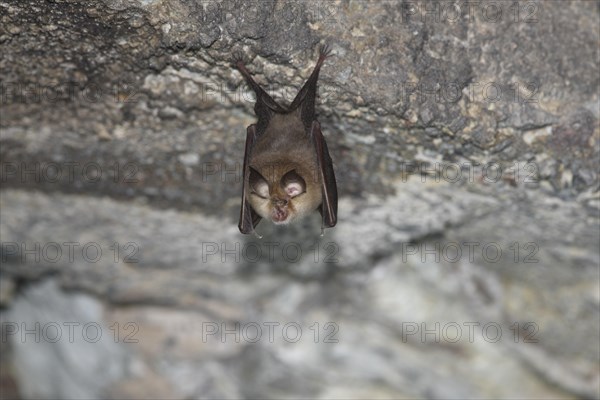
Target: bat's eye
{"x": 258, "y": 184}
{"x": 293, "y": 184}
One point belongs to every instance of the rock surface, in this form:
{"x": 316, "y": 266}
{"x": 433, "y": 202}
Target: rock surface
{"x": 465, "y": 263}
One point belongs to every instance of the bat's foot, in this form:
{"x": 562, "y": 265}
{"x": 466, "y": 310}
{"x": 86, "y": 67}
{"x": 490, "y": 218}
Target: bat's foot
{"x": 322, "y": 231}
{"x": 238, "y": 57}
{"x": 239, "y": 61}
{"x": 257, "y": 235}
{"x": 324, "y": 52}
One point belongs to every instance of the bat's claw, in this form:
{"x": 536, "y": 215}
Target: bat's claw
{"x": 325, "y": 51}
{"x": 238, "y": 58}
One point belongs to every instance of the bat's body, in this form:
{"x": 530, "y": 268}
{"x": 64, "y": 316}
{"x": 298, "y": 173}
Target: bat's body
{"x": 288, "y": 172}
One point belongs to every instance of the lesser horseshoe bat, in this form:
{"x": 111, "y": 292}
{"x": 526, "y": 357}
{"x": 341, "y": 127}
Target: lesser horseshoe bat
{"x": 288, "y": 172}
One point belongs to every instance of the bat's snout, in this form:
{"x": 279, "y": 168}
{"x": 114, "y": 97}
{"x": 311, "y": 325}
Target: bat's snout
{"x": 280, "y": 202}
{"x": 279, "y": 215}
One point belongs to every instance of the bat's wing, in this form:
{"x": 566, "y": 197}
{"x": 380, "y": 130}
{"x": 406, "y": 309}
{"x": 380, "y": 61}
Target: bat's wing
{"x": 248, "y": 217}
{"x": 328, "y": 208}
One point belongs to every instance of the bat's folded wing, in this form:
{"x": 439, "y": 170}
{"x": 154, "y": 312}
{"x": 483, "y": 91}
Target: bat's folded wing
{"x": 248, "y": 217}
{"x": 328, "y": 207}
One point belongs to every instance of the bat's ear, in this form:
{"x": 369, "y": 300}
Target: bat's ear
{"x": 293, "y": 184}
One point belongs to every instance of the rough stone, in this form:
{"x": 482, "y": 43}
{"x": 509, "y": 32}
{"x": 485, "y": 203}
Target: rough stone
{"x": 465, "y": 263}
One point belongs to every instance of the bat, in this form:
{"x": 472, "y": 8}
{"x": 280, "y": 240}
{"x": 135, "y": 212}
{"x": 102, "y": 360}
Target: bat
{"x": 288, "y": 172}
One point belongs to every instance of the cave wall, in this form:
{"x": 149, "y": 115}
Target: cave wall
{"x": 465, "y": 140}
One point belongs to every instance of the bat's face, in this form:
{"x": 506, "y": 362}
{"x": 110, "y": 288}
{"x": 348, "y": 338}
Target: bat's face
{"x": 282, "y": 195}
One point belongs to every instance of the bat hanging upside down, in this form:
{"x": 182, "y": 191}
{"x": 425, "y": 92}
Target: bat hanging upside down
{"x": 288, "y": 172}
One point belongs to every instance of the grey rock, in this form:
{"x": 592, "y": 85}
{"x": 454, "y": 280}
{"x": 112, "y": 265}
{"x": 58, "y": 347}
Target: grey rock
{"x": 50, "y": 325}
{"x": 121, "y": 138}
